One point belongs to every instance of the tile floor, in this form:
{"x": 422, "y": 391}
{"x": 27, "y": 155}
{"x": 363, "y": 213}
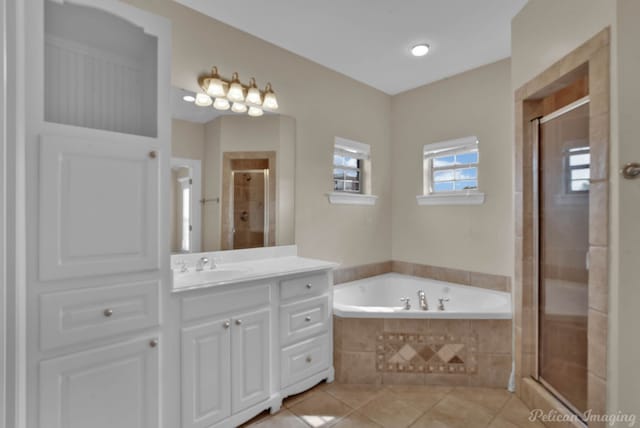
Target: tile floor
{"x": 398, "y": 406}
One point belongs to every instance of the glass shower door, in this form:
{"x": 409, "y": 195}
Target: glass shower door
{"x": 563, "y": 234}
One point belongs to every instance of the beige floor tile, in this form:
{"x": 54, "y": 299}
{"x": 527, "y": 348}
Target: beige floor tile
{"x": 354, "y": 395}
{"x": 356, "y": 420}
{"x": 390, "y": 411}
{"x": 320, "y": 410}
{"x": 283, "y": 419}
{"x": 420, "y": 397}
{"x": 492, "y": 399}
{"x": 292, "y": 400}
{"x": 515, "y": 414}
{"x": 455, "y": 412}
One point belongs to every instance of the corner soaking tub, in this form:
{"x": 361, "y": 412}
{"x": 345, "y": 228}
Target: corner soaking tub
{"x": 379, "y": 297}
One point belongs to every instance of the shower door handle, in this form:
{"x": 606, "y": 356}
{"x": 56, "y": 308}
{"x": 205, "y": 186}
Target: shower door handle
{"x": 631, "y": 170}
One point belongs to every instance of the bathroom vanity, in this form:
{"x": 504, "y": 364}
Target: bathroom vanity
{"x": 255, "y": 327}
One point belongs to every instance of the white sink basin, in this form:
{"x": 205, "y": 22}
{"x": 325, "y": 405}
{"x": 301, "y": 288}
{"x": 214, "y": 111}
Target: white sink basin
{"x": 221, "y": 274}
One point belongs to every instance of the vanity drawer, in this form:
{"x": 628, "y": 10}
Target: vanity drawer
{"x": 303, "y": 319}
{"x": 304, "y": 286}
{"x": 74, "y": 316}
{"x": 304, "y": 359}
{"x": 214, "y": 302}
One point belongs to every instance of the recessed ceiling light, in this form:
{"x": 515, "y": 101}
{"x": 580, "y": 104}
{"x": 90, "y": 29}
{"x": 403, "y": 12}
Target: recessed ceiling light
{"x": 420, "y": 50}
{"x": 189, "y": 98}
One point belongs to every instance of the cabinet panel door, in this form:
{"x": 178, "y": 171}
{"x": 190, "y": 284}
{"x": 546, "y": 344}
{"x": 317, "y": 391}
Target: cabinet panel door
{"x": 206, "y": 374}
{"x": 99, "y": 206}
{"x": 112, "y": 386}
{"x": 251, "y": 359}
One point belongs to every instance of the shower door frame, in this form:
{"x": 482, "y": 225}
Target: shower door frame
{"x": 535, "y": 162}
{"x": 589, "y": 61}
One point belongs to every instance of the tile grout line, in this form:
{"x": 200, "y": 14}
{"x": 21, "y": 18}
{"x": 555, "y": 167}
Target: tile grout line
{"x": 500, "y": 410}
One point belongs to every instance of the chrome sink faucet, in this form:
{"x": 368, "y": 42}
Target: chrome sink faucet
{"x": 202, "y": 261}
{"x": 441, "y": 303}
{"x": 422, "y": 298}
{"x": 407, "y": 303}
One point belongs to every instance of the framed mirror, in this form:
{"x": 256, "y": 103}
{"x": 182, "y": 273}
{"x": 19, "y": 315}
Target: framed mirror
{"x": 232, "y": 178}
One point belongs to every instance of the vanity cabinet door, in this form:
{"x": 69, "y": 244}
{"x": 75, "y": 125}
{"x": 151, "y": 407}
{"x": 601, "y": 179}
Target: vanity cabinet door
{"x": 206, "y": 373}
{"x": 99, "y": 206}
{"x": 106, "y": 387}
{"x": 250, "y": 350}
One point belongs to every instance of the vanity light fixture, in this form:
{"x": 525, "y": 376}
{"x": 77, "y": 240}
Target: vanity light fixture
{"x": 420, "y": 50}
{"x": 203, "y": 100}
{"x": 221, "y": 104}
{"x": 255, "y": 111}
{"x": 233, "y": 94}
{"x": 238, "y": 108}
{"x": 189, "y": 98}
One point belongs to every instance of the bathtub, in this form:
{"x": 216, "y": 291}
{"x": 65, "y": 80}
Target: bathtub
{"x": 379, "y": 297}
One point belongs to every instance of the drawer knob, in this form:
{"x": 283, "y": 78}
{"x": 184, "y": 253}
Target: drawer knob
{"x": 153, "y": 154}
{"x": 309, "y": 359}
{"x": 226, "y": 324}
{"x": 108, "y": 312}
{"x": 309, "y": 286}
{"x": 238, "y": 322}
{"x": 307, "y": 318}
{"x": 153, "y": 343}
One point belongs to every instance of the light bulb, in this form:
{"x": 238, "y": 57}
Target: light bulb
{"x": 420, "y": 50}
{"x": 236, "y": 91}
{"x": 221, "y": 104}
{"x": 238, "y": 108}
{"x": 203, "y": 100}
{"x": 214, "y": 85}
{"x": 270, "y": 100}
{"x": 189, "y": 98}
{"x": 255, "y": 112}
{"x": 253, "y": 95}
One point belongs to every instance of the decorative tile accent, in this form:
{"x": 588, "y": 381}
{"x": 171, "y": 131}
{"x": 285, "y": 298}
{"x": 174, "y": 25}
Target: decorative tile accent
{"x": 426, "y": 353}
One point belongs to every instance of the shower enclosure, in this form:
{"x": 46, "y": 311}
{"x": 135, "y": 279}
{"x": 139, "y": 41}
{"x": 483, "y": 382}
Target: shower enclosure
{"x": 561, "y": 224}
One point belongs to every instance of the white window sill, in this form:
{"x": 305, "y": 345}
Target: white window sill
{"x": 344, "y": 198}
{"x": 470, "y": 198}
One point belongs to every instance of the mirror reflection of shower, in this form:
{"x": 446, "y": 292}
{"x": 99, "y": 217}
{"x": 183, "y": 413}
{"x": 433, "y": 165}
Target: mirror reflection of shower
{"x": 250, "y": 213}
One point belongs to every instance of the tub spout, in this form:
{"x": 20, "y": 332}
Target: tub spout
{"x": 422, "y": 298}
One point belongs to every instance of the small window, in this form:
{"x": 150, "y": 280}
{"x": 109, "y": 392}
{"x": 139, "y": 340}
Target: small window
{"x": 577, "y": 169}
{"x": 451, "y": 166}
{"x": 348, "y": 165}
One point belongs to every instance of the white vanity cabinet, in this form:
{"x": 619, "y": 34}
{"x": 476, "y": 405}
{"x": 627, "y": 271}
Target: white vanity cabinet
{"x": 248, "y": 345}
{"x": 226, "y": 352}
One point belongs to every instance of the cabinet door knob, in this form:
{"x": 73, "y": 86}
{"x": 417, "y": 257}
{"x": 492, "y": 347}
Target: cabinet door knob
{"x": 238, "y": 322}
{"x": 309, "y": 285}
{"x": 309, "y": 359}
{"x": 226, "y": 324}
{"x": 307, "y": 318}
{"x": 108, "y": 312}
{"x": 153, "y": 343}
{"x": 153, "y": 154}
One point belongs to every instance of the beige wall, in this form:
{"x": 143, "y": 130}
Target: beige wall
{"x": 324, "y": 104}
{"x": 187, "y": 139}
{"x": 625, "y": 316}
{"x": 469, "y": 237}
{"x": 543, "y": 32}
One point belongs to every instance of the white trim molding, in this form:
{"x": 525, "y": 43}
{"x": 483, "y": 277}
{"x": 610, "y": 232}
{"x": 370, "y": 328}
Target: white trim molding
{"x": 344, "y": 198}
{"x": 457, "y": 198}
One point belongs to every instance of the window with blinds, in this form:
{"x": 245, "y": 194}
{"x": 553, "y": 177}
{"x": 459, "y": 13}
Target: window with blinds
{"x": 348, "y": 158}
{"x": 451, "y": 166}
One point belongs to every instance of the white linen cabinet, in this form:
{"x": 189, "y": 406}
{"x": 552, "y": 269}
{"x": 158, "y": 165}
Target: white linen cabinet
{"x": 97, "y": 156}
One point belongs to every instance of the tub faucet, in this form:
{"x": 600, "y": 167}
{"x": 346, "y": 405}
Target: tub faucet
{"x": 201, "y": 262}
{"x": 422, "y": 298}
{"x": 407, "y": 303}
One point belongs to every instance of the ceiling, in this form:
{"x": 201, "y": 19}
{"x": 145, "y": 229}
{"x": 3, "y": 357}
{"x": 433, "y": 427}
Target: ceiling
{"x": 369, "y": 40}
